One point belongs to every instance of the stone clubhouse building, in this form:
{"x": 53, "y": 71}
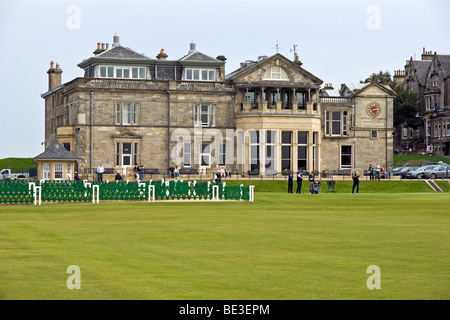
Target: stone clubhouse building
{"x": 267, "y": 116}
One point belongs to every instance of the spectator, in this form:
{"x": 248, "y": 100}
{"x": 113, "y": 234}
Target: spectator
{"x": 218, "y": 176}
{"x": 136, "y": 171}
{"x": 68, "y": 176}
{"x": 290, "y": 182}
{"x": 299, "y": 181}
{"x": 389, "y": 172}
{"x": 100, "y": 171}
{"x": 141, "y": 171}
{"x": 176, "y": 172}
{"x": 311, "y": 179}
{"x": 118, "y": 177}
{"x": 377, "y": 171}
{"x": 76, "y": 177}
{"x": 370, "y": 172}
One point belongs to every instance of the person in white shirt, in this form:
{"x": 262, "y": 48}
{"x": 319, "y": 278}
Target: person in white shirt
{"x": 377, "y": 172}
{"x": 100, "y": 170}
{"x": 68, "y": 176}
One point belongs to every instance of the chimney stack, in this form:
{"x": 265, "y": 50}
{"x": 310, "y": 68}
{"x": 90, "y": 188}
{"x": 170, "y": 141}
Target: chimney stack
{"x": 221, "y": 68}
{"x": 427, "y": 55}
{"x": 115, "y": 40}
{"x": 162, "y": 55}
{"x": 192, "y": 48}
{"x": 54, "y": 76}
{"x": 399, "y": 76}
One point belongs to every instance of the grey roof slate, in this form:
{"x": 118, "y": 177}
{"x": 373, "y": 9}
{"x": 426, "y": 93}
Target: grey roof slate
{"x": 445, "y": 63}
{"x": 197, "y": 56}
{"x": 56, "y": 151}
{"x": 248, "y": 64}
{"x": 420, "y": 68}
{"x": 121, "y": 52}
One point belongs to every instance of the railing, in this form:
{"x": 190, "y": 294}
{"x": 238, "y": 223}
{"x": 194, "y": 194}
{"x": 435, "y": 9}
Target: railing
{"x": 277, "y": 107}
{"x": 147, "y": 84}
{"x": 23, "y": 192}
{"x": 335, "y": 100}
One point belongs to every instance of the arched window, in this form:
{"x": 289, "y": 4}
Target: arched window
{"x": 276, "y": 73}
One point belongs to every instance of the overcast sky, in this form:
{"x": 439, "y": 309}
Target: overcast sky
{"x": 339, "y": 41}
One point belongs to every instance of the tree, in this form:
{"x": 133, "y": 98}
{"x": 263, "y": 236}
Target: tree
{"x": 406, "y": 103}
{"x": 406, "y": 107}
{"x": 385, "y": 78}
{"x": 382, "y": 77}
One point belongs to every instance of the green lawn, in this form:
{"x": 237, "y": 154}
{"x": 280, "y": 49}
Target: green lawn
{"x": 394, "y": 186}
{"x": 282, "y": 246}
{"x": 17, "y": 163}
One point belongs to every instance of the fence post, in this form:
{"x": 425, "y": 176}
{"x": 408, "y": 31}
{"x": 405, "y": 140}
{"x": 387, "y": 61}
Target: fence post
{"x": 215, "y": 193}
{"x": 36, "y": 189}
{"x": 151, "y": 193}
{"x": 32, "y": 185}
{"x": 252, "y": 188}
{"x": 240, "y": 191}
{"x": 95, "y": 187}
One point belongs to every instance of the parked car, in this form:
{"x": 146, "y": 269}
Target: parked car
{"x": 418, "y": 172}
{"x": 6, "y": 174}
{"x": 397, "y": 169}
{"x": 402, "y": 173}
{"x": 441, "y": 171}
{"x": 424, "y": 164}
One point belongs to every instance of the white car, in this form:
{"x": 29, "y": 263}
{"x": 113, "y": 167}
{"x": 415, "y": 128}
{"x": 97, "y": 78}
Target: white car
{"x": 6, "y": 174}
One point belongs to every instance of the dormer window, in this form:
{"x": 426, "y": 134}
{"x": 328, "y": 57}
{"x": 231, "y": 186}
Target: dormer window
{"x": 198, "y": 74}
{"x": 276, "y": 73}
{"x": 122, "y": 72}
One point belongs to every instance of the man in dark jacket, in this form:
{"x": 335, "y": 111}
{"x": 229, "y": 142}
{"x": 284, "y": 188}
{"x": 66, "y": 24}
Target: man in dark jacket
{"x": 355, "y": 177}
{"x": 299, "y": 181}
{"x": 290, "y": 182}
{"x": 118, "y": 177}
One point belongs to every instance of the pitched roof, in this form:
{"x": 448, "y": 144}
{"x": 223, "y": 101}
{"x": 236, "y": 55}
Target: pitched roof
{"x": 249, "y": 66}
{"x": 117, "y": 53}
{"x": 56, "y": 152}
{"x": 121, "y": 52}
{"x": 420, "y": 69}
{"x": 330, "y": 93}
{"x": 444, "y": 60}
{"x": 383, "y": 87}
{"x": 352, "y": 87}
{"x": 244, "y": 66}
{"x": 197, "y": 56}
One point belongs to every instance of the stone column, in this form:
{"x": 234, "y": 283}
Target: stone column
{"x": 262, "y": 150}
{"x": 310, "y": 150}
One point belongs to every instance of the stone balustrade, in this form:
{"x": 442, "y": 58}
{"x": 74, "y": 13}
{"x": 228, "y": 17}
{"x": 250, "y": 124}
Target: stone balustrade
{"x": 278, "y": 107}
{"x": 146, "y": 84}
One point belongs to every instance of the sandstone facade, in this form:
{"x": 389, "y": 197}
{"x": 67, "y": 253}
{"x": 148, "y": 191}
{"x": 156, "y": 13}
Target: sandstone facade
{"x": 269, "y": 115}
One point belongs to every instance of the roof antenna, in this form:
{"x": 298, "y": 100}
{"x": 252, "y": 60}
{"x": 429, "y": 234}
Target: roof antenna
{"x": 295, "y": 50}
{"x": 277, "y": 46}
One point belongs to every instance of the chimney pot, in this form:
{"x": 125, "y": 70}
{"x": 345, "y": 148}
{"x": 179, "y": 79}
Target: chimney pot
{"x": 52, "y": 65}
{"x": 162, "y": 55}
{"x": 192, "y": 47}
{"x": 115, "y": 40}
